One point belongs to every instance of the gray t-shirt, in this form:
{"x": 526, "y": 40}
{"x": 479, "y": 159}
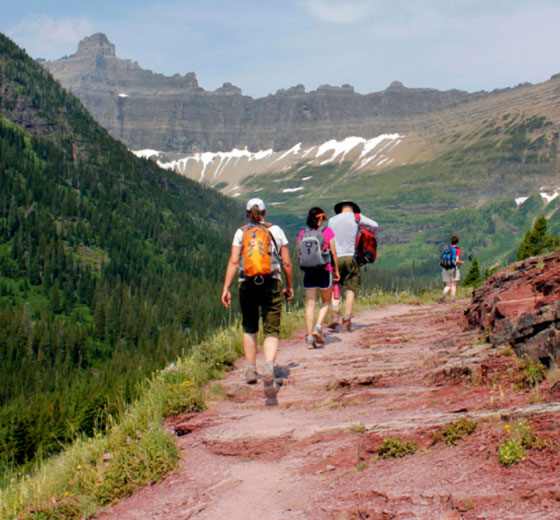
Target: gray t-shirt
{"x": 345, "y": 231}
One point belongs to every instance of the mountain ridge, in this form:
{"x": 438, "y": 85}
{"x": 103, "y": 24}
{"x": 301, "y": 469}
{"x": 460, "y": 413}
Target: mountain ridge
{"x": 461, "y": 164}
{"x": 186, "y": 118}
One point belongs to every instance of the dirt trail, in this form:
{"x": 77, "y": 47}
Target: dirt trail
{"x": 407, "y": 371}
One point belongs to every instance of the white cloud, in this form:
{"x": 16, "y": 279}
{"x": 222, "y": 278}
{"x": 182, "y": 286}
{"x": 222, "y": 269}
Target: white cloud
{"x": 335, "y": 11}
{"x": 47, "y": 37}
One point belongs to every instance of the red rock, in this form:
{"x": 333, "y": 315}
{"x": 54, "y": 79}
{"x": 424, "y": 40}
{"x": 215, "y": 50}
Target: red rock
{"x": 520, "y": 306}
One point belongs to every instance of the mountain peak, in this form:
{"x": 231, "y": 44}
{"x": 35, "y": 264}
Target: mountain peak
{"x": 396, "y": 85}
{"x": 96, "y": 44}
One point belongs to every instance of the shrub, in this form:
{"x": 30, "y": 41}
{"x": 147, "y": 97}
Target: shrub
{"x": 459, "y": 430}
{"x": 531, "y": 373}
{"x": 522, "y": 438}
{"x": 396, "y": 448}
{"x": 510, "y": 452}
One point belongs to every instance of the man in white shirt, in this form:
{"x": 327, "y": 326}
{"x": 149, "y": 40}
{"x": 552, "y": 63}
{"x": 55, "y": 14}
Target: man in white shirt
{"x": 345, "y": 230}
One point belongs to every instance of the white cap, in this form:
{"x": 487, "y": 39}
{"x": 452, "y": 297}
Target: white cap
{"x": 256, "y": 202}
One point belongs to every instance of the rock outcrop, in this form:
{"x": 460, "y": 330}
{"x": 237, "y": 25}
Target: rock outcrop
{"x": 520, "y": 306}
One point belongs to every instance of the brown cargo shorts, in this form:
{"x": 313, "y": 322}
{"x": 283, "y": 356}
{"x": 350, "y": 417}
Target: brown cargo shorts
{"x": 349, "y": 273}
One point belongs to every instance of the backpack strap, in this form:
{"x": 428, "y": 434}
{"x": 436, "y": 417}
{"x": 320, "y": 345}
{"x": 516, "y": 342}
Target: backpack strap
{"x": 268, "y": 225}
{"x": 357, "y": 219}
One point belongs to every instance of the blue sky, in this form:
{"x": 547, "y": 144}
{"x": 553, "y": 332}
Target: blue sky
{"x": 262, "y": 46}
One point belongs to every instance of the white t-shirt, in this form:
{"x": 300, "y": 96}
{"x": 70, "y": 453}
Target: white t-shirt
{"x": 345, "y": 231}
{"x": 280, "y": 240}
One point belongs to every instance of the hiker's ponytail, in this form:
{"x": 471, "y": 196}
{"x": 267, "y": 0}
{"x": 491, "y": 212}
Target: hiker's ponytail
{"x": 255, "y": 215}
{"x": 313, "y": 217}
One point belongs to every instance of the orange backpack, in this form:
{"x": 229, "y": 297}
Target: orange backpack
{"x": 257, "y": 249}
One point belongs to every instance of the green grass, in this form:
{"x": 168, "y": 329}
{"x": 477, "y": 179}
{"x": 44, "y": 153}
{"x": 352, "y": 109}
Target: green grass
{"x": 137, "y": 450}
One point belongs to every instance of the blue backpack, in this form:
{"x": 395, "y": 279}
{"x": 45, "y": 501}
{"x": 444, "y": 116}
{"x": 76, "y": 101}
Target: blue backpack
{"x": 448, "y": 259}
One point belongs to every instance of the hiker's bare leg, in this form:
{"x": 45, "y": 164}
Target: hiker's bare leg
{"x": 270, "y": 348}
{"x": 326, "y": 303}
{"x": 453, "y": 290}
{"x": 335, "y": 303}
{"x": 349, "y": 303}
{"x": 310, "y": 301}
{"x": 250, "y": 347}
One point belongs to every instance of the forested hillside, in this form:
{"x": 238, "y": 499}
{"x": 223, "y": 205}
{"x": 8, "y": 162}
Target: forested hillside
{"x": 109, "y": 266}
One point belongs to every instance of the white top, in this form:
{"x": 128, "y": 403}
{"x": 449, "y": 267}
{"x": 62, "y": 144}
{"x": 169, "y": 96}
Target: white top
{"x": 345, "y": 231}
{"x": 276, "y": 231}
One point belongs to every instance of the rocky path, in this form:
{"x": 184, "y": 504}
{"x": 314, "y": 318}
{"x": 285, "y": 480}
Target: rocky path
{"x": 407, "y": 372}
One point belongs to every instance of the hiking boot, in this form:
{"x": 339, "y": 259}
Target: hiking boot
{"x": 269, "y": 382}
{"x": 318, "y": 334}
{"x": 347, "y": 325}
{"x": 251, "y": 375}
{"x": 336, "y": 320}
{"x": 310, "y": 341}
{"x": 441, "y": 299}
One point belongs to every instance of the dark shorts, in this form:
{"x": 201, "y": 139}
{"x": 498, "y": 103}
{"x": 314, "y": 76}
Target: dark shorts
{"x": 257, "y": 300}
{"x": 349, "y": 273}
{"x": 317, "y": 279}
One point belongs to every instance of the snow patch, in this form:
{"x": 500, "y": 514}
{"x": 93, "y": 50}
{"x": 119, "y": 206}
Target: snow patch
{"x": 210, "y": 166}
{"x": 292, "y": 151}
{"x": 338, "y": 148}
{"x": 145, "y": 154}
{"x": 123, "y": 95}
{"x": 291, "y": 190}
{"x": 342, "y": 148}
{"x": 548, "y": 198}
{"x": 520, "y": 200}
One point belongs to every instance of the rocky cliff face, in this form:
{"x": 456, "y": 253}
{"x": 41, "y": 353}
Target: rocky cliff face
{"x": 149, "y": 110}
{"x": 521, "y": 306}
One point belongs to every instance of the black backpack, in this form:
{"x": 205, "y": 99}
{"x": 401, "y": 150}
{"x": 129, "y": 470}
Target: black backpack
{"x": 313, "y": 251}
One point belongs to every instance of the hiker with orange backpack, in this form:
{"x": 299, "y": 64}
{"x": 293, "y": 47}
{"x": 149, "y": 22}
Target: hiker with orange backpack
{"x": 346, "y": 225}
{"x": 319, "y": 262}
{"x": 259, "y": 253}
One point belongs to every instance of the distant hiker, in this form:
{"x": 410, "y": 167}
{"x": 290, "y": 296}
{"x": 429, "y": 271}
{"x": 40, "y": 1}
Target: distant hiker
{"x": 259, "y": 252}
{"x": 345, "y": 228}
{"x": 450, "y": 261}
{"x": 319, "y": 262}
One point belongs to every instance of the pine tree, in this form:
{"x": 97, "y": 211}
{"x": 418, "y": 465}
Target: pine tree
{"x": 537, "y": 241}
{"x": 473, "y": 278}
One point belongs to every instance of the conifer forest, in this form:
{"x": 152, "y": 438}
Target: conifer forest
{"x": 109, "y": 266}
